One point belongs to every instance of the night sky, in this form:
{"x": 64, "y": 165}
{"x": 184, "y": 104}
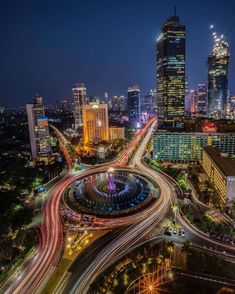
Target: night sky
{"x": 108, "y": 45}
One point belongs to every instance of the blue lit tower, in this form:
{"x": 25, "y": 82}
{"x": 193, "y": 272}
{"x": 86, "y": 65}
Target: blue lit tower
{"x": 133, "y": 106}
{"x": 218, "y": 78}
{"x": 170, "y": 57}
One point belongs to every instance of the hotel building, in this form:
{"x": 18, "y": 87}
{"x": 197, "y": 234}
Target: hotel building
{"x": 182, "y": 146}
{"x": 95, "y": 123}
{"x": 221, "y": 171}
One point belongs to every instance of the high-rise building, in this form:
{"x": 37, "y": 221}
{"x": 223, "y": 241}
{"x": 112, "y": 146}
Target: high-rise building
{"x": 147, "y": 107}
{"x": 170, "y": 51}
{"x": 153, "y": 93}
{"x": 190, "y": 103}
{"x": 79, "y": 99}
{"x": 201, "y": 100}
{"x": 95, "y": 123}
{"x": 133, "y": 106}
{"x": 106, "y": 97}
{"x": 187, "y": 98}
{"x": 38, "y": 128}
{"x": 43, "y": 136}
{"x": 115, "y": 106}
{"x": 122, "y": 107}
{"x": 218, "y": 78}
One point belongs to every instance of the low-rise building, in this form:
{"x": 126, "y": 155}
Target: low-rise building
{"x": 116, "y": 133}
{"x": 221, "y": 171}
{"x": 186, "y": 147}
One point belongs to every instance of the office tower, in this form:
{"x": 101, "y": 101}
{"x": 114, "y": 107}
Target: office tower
{"x": 115, "y": 103}
{"x": 106, "y": 98}
{"x": 201, "y": 100}
{"x": 95, "y": 123}
{"x": 38, "y": 128}
{"x": 170, "y": 59}
{"x": 153, "y": 93}
{"x": 187, "y": 98}
{"x": 218, "y": 78}
{"x": 192, "y": 102}
{"x": 43, "y": 136}
{"x": 133, "y": 106}
{"x": 147, "y": 109}
{"x": 79, "y": 99}
{"x": 122, "y": 107}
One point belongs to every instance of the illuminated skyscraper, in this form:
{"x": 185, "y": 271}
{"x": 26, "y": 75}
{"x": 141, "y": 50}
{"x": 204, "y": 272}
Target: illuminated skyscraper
{"x": 95, "y": 123}
{"x": 187, "y": 97}
{"x": 122, "y": 107}
{"x": 218, "y": 78}
{"x": 38, "y": 129}
{"x": 201, "y": 100}
{"x": 192, "y": 99}
{"x": 171, "y": 71}
{"x": 133, "y": 106}
{"x": 115, "y": 103}
{"x": 79, "y": 99}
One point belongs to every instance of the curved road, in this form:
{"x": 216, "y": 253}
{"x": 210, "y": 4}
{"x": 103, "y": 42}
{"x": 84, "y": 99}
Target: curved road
{"x": 51, "y": 241}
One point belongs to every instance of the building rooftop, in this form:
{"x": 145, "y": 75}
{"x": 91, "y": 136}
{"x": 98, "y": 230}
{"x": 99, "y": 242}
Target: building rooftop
{"x": 224, "y": 163}
{"x": 198, "y": 124}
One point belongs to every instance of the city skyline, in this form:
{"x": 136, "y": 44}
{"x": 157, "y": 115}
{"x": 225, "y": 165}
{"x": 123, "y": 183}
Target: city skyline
{"x": 52, "y": 43}
{"x": 119, "y": 177}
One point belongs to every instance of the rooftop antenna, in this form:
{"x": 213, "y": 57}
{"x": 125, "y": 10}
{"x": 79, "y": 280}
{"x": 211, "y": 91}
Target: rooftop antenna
{"x": 174, "y": 10}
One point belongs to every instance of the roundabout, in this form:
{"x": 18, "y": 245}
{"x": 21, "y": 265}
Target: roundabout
{"x": 111, "y": 193}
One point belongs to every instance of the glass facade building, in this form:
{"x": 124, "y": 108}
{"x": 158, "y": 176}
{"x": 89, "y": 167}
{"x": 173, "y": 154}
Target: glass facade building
{"x": 38, "y": 129}
{"x": 133, "y": 106}
{"x": 180, "y": 146}
{"x": 170, "y": 57}
{"x": 79, "y": 99}
{"x": 201, "y": 100}
{"x": 218, "y": 78}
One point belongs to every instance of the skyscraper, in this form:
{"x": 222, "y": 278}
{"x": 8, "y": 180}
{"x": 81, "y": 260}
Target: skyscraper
{"x": 115, "y": 103}
{"x": 79, "y": 99}
{"x": 218, "y": 78}
{"x": 201, "y": 100}
{"x": 187, "y": 97}
{"x": 95, "y": 123}
{"x": 133, "y": 106}
{"x": 38, "y": 128}
{"x": 122, "y": 103}
{"x": 170, "y": 51}
{"x": 147, "y": 106}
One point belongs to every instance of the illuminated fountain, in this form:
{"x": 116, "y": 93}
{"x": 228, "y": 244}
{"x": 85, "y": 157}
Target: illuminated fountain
{"x": 112, "y": 192}
{"x": 111, "y": 183}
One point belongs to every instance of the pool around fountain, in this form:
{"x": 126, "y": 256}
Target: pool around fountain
{"x": 111, "y": 193}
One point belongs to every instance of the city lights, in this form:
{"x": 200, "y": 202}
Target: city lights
{"x": 121, "y": 177}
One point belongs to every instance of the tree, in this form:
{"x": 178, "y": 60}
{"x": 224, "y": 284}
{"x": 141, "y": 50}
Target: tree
{"x": 21, "y": 218}
{"x": 186, "y": 248}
